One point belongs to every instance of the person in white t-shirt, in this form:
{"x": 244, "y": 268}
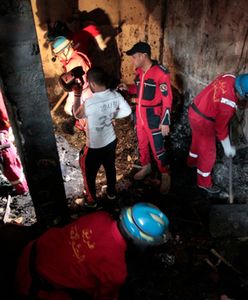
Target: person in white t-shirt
{"x": 99, "y": 110}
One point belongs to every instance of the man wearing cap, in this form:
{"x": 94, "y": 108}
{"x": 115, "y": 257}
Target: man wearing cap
{"x": 154, "y": 101}
{"x": 209, "y": 117}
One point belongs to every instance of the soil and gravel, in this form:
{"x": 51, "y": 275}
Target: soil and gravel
{"x": 184, "y": 268}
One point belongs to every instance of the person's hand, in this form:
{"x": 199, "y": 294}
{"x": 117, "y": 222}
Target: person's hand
{"x": 122, "y": 87}
{"x": 165, "y": 130}
{"x": 77, "y": 87}
{"x": 229, "y": 150}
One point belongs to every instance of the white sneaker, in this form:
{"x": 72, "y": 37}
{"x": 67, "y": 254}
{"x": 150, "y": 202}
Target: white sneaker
{"x": 145, "y": 170}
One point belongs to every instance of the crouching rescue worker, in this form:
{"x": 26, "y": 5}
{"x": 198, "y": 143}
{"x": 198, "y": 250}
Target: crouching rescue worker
{"x": 62, "y": 49}
{"x": 88, "y": 255}
{"x": 209, "y": 117}
{"x": 9, "y": 161}
{"x": 99, "y": 112}
{"x": 154, "y": 101}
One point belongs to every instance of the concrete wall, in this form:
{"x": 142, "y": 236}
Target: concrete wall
{"x": 24, "y": 91}
{"x": 197, "y": 40}
{"x": 122, "y": 22}
{"x": 205, "y": 38}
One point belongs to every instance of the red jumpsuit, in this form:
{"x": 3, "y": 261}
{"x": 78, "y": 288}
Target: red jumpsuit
{"x": 10, "y": 163}
{"x": 77, "y": 59}
{"x": 153, "y": 109}
{"x": 87, "y": 255}
{"x": 209, "y": 116}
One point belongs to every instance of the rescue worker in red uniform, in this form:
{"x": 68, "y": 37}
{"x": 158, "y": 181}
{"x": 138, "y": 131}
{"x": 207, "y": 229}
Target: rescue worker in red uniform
{"x": 70, "y": 58}
{"x": 84, "y": 34}
{"x": 9, "y": 162}
{"x": 88, "y": 255}
{"x": 154, "y": 101}
{"x": 209, "y": 117}
{"x": 83, "y": 38}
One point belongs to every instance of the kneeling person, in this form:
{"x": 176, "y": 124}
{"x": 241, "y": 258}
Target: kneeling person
{"x": 88, "y": 255}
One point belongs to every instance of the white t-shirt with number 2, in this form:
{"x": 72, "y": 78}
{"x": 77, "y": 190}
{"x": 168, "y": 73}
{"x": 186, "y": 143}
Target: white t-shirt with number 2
{"x": 99, "y": 111}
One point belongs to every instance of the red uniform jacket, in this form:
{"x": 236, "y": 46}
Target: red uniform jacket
{"x": 76, "y": 60}
{"x": 218, "y": 101}
{"x": 154, "y": 90}
{"x": 88, "y": 254}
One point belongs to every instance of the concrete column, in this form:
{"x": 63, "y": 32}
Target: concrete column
{"x": 27, "y": 105}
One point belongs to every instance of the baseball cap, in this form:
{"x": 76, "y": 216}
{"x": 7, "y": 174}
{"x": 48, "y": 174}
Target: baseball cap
{"x": 141, "y": 47}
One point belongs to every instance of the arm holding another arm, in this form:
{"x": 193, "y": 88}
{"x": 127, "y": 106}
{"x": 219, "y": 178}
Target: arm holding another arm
{"x": 124, "y": 109}
{"x": 78, "y": 108}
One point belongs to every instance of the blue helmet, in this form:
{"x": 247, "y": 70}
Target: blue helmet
{"x": 144, "y": 223}
{"x": 241, "y": 85}
{"x": 59, "y": 44}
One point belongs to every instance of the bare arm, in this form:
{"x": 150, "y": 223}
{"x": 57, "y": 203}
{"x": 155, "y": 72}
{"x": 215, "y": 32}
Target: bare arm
{"x": 78, "y": 108}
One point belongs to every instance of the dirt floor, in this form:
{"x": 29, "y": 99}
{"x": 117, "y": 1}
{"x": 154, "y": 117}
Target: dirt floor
{"x": 192, "y": 265}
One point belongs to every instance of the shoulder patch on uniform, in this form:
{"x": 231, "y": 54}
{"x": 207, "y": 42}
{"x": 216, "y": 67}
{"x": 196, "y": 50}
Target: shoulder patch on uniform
{"x": 164, "y": 69}
{"x": 163, "y": 88}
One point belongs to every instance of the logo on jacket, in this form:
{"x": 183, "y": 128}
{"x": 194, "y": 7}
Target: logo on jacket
{"x": 163, "y": 88}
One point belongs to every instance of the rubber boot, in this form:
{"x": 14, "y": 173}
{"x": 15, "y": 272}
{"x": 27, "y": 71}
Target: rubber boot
{"x": 145, "y": 170}
{"x": 165, "y": 183}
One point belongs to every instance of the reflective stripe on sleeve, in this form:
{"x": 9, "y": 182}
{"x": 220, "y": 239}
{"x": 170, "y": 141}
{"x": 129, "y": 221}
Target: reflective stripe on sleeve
{"x": 229, "y": 102}
{"x": 228, "y": 75}
{"x": 193, "y": 155}
{"x": 204, "y": 174}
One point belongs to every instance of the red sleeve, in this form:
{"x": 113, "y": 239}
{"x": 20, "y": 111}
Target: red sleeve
{"x": 92, "y": 29}
{"x": 4, "y": 119}
{"x": 166, "y": 94}
{"x": 132, "y": 89}
{"x": 3, "y": 111}
{"x": 223, "y": 117}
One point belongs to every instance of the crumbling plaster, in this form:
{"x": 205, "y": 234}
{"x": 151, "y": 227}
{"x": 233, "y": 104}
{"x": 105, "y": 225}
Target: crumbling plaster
{"x": 196, "y": 39}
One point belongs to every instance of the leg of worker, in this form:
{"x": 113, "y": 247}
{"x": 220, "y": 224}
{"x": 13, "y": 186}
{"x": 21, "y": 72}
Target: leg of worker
{"x": 90, "y": 163}
{"x": 144, "y": 151}
{"x": 143, "y": 144}
{"x": 193, "y": 152}
{"x": 13, "y": 170}
{"x": 156, "y": 142}
{"x": 159, "y": 153}
{"x": 206, "y": 159}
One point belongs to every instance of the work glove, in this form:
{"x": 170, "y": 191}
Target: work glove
{"x": 230, "y": 151}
